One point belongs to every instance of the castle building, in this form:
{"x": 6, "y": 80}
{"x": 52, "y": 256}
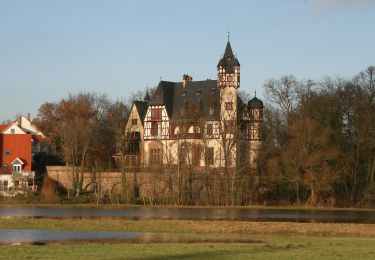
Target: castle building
{"x": 195, "y": 123}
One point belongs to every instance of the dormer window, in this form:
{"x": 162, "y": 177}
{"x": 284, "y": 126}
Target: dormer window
{"x": 17, "y": 165}
{"x": 12, "y": 131}
{"x": 198, "y": 92}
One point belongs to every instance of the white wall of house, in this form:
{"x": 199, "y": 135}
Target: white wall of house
{"x": 8, "y": 178}
{"x": 14, "y": 129}
{"x": 27, "y": 126}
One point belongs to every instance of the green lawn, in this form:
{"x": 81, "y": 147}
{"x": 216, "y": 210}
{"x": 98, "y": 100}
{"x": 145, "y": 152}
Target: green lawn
{"x": 278, "y": 247}
{"x": 266, "y": 240}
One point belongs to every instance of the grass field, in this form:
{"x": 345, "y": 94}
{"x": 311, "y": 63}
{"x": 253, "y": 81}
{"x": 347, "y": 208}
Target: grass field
{"x": 271, "y": 240}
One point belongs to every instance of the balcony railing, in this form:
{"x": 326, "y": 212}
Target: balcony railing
{"x": 23, "y": 174}
{"x": 16, "y": 188}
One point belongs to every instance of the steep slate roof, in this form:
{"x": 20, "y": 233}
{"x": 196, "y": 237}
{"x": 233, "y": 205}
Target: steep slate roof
{"x": 164, "y": 95}
{"x": 255, "y": 103}
{"x": 142, "y": 109}
{"x": 228, "y": 60}
{"x": 202, "y": 94}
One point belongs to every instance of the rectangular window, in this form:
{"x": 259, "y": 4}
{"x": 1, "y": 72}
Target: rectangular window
{"x": 228, "y": 105}
{"x": 154, "y": 129}
{"x": 212, "y": 110}
{"x": 229, "y": 126}
{"x": 196, "y": 156}
{"x": 16, "y": 168}
{"x": 156, "y": 114}
{"x": 209, "y": 156}
{"x": 134, "y": 121}
{"x": 7, "y": 152}
{"x": 210, "y": 129}
{"x": 155, "y": 156}
{"x": 4, "y": 167}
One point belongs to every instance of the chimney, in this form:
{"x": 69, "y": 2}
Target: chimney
{"x": 19, "y": 121}
{"x": 28, "y": 116}
{"x": 186, "y": 79}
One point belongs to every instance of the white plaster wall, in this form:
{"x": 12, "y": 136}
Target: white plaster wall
{"x": 7, "y": 177}
{"x": 27, "y": 126}
{"x": 17, "y": 130}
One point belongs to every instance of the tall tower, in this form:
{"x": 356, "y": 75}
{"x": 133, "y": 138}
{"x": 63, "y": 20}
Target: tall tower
{"x": 228, "y": 78}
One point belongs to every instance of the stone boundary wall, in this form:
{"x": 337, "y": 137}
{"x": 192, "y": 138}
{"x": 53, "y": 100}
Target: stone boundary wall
{"x": 163, "y": 187}
{"x": 147, "y": 184}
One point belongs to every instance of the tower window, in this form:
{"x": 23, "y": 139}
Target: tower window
{"x": 228, "y": 105}
{"x": 210, "y": 130}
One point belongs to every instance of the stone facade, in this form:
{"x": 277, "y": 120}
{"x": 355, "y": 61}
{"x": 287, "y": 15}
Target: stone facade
{"x": 163, "y": 187}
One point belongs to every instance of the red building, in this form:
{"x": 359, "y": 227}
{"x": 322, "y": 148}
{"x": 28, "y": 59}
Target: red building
{"x": 16, "y": 149}
{"x": 15, "y": 152}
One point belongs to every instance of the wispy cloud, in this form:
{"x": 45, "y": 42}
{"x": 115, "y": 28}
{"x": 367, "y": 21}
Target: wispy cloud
{"x": 333, "y": 4}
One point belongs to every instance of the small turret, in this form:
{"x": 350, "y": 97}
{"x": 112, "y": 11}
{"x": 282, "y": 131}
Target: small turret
{"x": 255, "y": 115}
{"x": 147, "y": 97}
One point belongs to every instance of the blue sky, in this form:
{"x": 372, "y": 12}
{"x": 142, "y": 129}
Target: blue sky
{"x": 49, "y": 49}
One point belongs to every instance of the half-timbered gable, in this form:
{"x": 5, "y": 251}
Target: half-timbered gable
{"x": 156, "y": 123}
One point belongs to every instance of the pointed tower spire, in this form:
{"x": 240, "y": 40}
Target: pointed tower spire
{"x": 228, "y": 68}
{"x": 147, "y": 96}
{"x": 228, "y": 51}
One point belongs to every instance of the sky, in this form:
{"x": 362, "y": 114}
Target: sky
{"x": 49, "y": 49}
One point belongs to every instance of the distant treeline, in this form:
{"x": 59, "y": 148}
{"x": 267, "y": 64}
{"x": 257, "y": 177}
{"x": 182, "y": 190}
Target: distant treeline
{"x": 319, "y": 140}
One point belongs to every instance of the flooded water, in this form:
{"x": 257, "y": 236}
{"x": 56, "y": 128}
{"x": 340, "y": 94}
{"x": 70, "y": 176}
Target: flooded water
{"x": 41, "y": 237}
{"x": 12, "y": 236}
{"x": 254, "y": 214}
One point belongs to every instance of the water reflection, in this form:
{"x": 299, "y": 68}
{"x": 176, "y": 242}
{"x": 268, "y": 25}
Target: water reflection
{"x": 11, "y": 236}
{"x": 295, "y": 215}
